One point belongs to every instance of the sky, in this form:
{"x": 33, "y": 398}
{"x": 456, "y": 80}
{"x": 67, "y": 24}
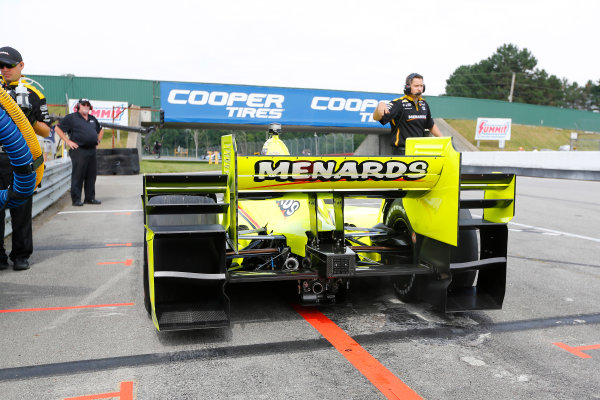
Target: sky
{"x": 355, "y": 45}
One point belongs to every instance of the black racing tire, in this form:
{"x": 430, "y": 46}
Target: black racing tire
{"x": 467, "y": 250}
{"x": 407, "y": 287}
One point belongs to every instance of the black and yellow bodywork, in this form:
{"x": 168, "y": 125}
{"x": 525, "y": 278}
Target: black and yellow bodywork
{"x": 274, "y": 218}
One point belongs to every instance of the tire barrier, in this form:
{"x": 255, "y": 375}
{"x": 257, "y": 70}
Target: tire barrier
{"x": 118, "y": 162}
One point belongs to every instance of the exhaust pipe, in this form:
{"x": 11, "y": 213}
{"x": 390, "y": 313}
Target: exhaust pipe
{"x": 317, "y": 287}
{"x": 291, "y": 264}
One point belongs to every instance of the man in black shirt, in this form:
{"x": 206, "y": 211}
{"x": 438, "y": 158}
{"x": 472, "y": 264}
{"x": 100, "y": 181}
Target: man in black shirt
{"x": 408, "y": 116}
{"x": 11, "y": 66}
{"x": 85, "y": 133}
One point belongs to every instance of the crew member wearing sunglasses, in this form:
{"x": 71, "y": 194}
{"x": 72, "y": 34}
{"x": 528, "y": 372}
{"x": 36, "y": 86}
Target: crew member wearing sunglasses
{"x": 11, "y": 65}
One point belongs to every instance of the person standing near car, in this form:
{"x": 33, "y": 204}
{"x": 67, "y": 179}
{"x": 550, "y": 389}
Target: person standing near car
{"x": 408, "y": 116}
{"x": 36, "y": 111}
{"x": 85, "y": 133}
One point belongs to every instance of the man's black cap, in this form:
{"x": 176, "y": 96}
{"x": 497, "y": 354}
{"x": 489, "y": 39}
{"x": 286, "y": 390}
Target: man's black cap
{"x": 8, "y": 55}
{"x": 85, "y": 101}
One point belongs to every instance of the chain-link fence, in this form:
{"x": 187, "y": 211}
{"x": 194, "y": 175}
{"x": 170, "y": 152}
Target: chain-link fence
{"x": 183, "y": 153}
{"x": 332, "y": 143}
{"x": 180, "y": 152}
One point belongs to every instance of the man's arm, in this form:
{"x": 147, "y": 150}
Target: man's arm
{"x": 64, "y": 137}
{"x": 380, "y": 111}
{"x": 41, "y": 129}
{"x": 100, "y": 134}
{"x": 435, "y": 131}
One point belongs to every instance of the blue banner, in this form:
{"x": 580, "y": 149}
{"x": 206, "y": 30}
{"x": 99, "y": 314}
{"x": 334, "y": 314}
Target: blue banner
{"x": 260, "y": 105}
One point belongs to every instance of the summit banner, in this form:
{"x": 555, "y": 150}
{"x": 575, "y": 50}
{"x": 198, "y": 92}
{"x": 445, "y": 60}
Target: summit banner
{"x": 260, "y": 105}
{"x": 104, "y": 111}
{"x": 493, "y": 129}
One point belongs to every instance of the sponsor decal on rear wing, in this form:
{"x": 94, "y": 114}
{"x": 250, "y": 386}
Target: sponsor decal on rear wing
{"x": 322, "y": 173}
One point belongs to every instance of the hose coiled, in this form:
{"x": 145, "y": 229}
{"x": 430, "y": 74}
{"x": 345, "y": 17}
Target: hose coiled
{"x": 20, "y": 143}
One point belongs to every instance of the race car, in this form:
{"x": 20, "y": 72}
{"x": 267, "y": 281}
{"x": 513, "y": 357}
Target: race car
{"x": 276, "y": 217}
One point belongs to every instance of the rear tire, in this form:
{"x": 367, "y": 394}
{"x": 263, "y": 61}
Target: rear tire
{"x": 407, "y": 287}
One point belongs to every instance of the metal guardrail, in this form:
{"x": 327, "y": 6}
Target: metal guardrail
{"x": 55, "y": 183}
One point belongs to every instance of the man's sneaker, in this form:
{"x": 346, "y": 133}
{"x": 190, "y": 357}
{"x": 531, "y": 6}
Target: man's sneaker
{"x": 93, "y": 201}
{"x": 77, "y": 204}
{"x": 3, "y": 264}
{"x": 20, "y": 264}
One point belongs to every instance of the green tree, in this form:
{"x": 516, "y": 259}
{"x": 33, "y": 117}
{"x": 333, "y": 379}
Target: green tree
{"x": 590, "y": 96}
{"x": 595, "y": 96}
{"x": 571, "y": 94}
{"x": 491, "y": 79}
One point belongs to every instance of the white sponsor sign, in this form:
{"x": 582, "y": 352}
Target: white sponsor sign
{"x": 103, "y": 111}
{"x": 493, "y": 129}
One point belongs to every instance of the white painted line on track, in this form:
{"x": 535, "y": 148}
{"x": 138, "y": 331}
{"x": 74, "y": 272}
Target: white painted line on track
{"x": 107, "y": 286}
{"x": 552, "y": 231}
{"x": 98, "y": 211}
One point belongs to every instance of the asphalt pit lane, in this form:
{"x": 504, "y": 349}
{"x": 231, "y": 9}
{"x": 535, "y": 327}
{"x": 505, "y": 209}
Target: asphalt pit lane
{"x": 401, "y": 319}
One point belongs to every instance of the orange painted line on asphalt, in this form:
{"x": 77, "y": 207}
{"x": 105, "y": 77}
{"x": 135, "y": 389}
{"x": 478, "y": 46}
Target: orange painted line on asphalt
{"x": 126, "y": 262}
{"x": 118, "y": 244}
{"x": 578, "y": 350}
{"x": 384, "y": 380}
{"x": 67, "y": 308}
{"x": 125, "y": 393}
{"x": 123, "y": 213}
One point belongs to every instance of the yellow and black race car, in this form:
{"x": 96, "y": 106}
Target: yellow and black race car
{"x": 276, "y": 217}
